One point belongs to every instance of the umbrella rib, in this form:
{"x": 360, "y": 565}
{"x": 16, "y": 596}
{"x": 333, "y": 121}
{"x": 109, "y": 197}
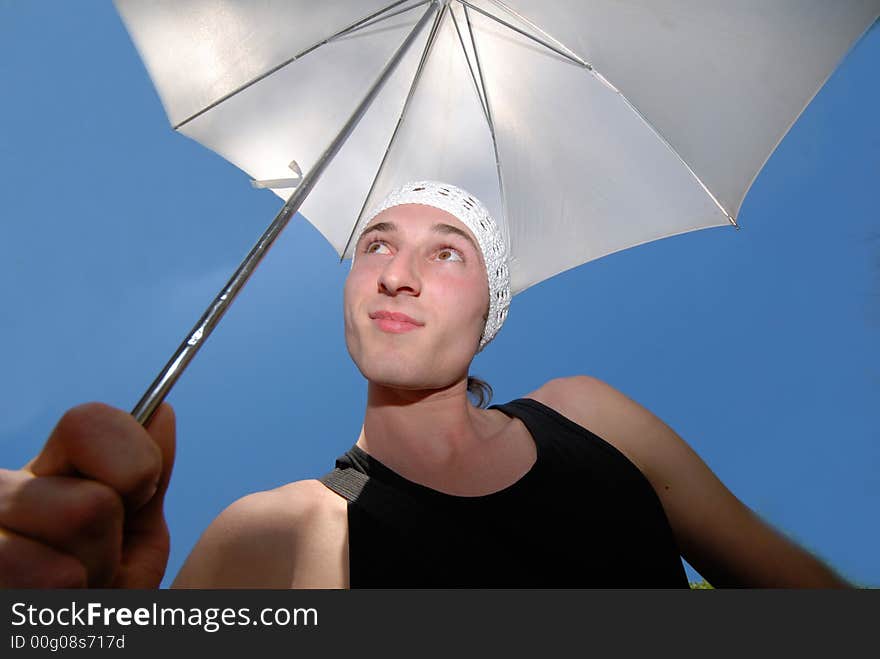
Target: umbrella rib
{"x": 482, "y": 83}
{"x": 431, "y": 35}
{"x": 491, "y": 123}
{"x": 669, "y": 146}
{"x": 478, "y": 85}
{"x": 354, "y": 26}
{"x": 660, "y": 136}
{"x": 573, "y": 57}
{"x": 537, "y": 28}
{"x": 361, "y": 25}
{"x": 567, "y": 55}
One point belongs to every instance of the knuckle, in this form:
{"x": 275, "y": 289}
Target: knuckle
{"x": 110, "y": 446}
{"x": 150, "y": 466}
{"x": 139, "y": 478}
{"x": 95, "y": 510}
{"x": 27, "y": 563}
{"x": 76, "y": 421}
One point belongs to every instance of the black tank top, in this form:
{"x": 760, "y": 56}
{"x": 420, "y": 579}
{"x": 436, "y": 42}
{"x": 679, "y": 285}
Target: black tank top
{"x": 582, "y": 516}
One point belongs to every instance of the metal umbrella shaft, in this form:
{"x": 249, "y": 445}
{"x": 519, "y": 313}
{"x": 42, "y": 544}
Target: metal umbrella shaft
{"x": 169, "y": 375}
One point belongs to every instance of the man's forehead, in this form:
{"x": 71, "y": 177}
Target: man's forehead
{"x": 438, "y": 220}
{"x": 419, "y": 212}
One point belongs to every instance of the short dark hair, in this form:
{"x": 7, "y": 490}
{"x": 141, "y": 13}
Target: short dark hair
{"x": 480, "y": 391}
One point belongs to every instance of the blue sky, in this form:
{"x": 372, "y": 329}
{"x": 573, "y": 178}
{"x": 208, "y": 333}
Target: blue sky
{"x": 758, "y": 346}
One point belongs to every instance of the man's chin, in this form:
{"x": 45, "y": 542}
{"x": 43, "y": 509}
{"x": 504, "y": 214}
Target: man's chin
{"x": 397, "y": 376}
{"x": 395, "y": 380}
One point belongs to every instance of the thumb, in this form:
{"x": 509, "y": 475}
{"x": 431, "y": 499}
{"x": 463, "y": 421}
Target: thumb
{"x": 163, "y": 429}
{"x": 146, "y": 542}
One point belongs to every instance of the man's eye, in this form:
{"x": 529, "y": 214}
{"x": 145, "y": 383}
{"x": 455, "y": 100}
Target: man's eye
{"x": 449, "y": 254}
{"x": 373, "y": 247}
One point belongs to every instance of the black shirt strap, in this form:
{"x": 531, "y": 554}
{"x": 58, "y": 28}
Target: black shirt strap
{"x": 393, "y": 507}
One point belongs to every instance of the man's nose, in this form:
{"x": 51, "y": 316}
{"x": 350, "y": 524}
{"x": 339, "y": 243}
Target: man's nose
{"x": 400, "y": 275}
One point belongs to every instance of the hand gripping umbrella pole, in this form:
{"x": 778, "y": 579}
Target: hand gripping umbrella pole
{"x": 166, "y": 379}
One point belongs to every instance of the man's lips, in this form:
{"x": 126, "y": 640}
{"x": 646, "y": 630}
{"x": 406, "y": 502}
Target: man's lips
{"x": 395, "y": 322}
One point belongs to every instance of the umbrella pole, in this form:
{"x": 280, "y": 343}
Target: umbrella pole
{"x": 166, "y": 379}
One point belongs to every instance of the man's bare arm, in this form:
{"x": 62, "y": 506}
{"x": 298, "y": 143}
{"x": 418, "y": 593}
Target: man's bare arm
{"x": 722, "y": 538}
{"x": 252, "y": 543}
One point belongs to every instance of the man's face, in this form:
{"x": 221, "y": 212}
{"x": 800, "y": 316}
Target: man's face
{"x": 424, "y": 263}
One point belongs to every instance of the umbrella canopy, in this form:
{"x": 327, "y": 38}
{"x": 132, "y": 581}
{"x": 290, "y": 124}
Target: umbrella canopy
{"x": 585, "y": 127}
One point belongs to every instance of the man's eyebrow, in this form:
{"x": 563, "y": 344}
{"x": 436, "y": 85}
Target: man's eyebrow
{"x": 446, "y": 229}
{"x": 379, "y": 226}
{"x": 440, "y": 227}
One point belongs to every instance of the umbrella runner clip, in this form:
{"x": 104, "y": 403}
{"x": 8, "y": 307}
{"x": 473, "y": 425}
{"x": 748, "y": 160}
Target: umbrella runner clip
{"x": 274, "y": 183}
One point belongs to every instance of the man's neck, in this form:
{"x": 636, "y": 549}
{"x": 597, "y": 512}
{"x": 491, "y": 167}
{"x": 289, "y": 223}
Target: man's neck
{"x": 422, "y": 432}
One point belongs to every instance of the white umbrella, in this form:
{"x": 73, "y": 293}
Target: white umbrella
{"x": 585, "y": 127}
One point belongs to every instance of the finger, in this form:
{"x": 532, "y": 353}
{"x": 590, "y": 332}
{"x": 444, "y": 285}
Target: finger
{"x": 105, "y": 444}
{"x": 144, "y": 557}
{"x": 26, "y": 563}
{"x": 75, "y": 516}
{"x": 163, "y": 429}
{"x": 146, "y": 541}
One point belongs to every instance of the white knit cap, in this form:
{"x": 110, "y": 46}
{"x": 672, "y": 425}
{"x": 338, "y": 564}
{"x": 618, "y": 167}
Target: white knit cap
{"x": 474, "y": 215}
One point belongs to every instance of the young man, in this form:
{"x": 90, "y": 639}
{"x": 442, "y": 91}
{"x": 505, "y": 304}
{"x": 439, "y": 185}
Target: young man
{"x": 572, "y": 485}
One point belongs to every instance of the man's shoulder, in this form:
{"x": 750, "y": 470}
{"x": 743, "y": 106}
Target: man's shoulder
{"x": 255, "y": 540}
{"x": 607, "y": 413}
{"x": 286, "y": 513}
{"x": 296, "y": 501}
{"x": 578, "y": 397}
{"x": 565, "y": 386}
